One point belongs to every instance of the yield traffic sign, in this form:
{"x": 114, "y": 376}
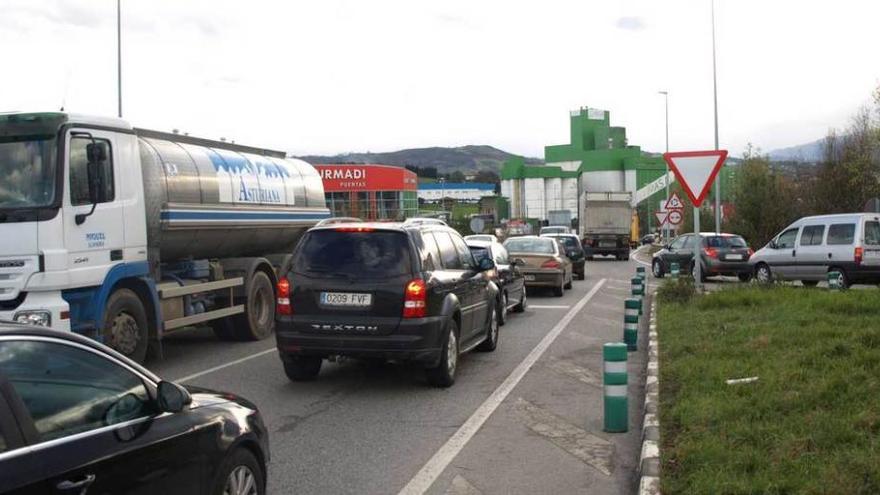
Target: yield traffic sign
{"x": 696, "y": 170}
{"x": 674, "y": 203}
{"x": 661, "y": 216}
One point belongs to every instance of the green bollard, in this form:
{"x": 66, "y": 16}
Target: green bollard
{"x": 632, "y": 307}
{"x": 615, "y": 379}
{"x": 638, "y": 290}
{"x": 640, "y": 272}
{"x": 834, "y": 280}
{"x": 674, "y": 270}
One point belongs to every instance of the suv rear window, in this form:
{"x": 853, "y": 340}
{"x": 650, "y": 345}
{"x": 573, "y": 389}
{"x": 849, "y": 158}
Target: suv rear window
{"x": 726, "y": 241}
{"x": 841, "y": 233}
{"x": 377, "y": 253}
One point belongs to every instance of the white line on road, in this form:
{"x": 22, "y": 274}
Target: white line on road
{"x": 435, "y": 466}
{"x": 226, "y": 365}
{"x": 547, "y": 306}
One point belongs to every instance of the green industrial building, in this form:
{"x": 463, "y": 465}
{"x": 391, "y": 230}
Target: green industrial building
{"x": 597, "y": 159}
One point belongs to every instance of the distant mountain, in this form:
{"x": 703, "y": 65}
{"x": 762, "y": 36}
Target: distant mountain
{"x": 466, "y": 159}
{"x": 803, "y": 153}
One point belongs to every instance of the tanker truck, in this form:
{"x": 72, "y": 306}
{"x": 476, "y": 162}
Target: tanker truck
{"x": 126, "y": 234}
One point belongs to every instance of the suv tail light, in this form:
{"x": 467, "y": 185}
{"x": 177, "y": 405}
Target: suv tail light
{"x": 858, "y": 254}
{"x": 550, "y": 264}
{"x": 711, "y": 252}
{"x": 282, "y": 304}
{"x": 414, "y": 299}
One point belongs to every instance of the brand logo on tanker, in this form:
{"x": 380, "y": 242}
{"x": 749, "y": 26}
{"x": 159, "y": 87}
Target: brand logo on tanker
{"x": 256, "y": 180}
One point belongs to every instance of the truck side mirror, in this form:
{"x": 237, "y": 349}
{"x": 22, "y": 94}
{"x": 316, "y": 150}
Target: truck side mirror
{"x": 96, "y": 155}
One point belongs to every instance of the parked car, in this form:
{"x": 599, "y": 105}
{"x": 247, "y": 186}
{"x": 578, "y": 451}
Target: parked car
{"x": 648, "y": 239}
{"x": 506, "y": 276}
{"x": 338, "y": 220}
{"x": 555, "y": 229}
{"x": 813, "y": 246}
{"x": 78, "y": 417}
{"x": 575, "y": 252}
{"x": 544, "y": 262}
{"x": 481, "y": 237}
{"x": 409, "y": 291}
{"x": 720, "y": 254}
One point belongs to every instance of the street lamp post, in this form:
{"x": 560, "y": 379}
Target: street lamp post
{"x": 666, "y": 100}
{"x": 715, "y": 97}
{"x": 119, "y": 54}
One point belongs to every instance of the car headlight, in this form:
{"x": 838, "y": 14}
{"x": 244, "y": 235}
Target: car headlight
{"x": 40, "y": 318}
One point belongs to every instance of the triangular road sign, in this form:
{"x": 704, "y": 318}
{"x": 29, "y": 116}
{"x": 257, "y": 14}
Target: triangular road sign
{"x": 661, "y": 216}
{"x": 696, "y": 170}
{"x": 674, "y": 202}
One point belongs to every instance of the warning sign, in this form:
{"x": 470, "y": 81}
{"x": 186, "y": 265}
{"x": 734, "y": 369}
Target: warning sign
{"x": 674, "y": 202}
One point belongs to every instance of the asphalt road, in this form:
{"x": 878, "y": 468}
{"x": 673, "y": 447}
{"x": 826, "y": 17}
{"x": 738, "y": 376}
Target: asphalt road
{"x": 372, "y": 429}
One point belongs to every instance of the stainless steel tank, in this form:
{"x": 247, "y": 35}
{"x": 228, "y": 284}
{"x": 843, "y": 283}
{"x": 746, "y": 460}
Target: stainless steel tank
{"x": 215, "y": 200}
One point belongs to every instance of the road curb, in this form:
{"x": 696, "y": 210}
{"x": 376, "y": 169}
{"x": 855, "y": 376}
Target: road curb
{"x": 649, "y": 459}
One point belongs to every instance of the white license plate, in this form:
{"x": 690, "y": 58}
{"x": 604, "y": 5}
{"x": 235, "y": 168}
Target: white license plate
{"x": 530, "y": 278}
{"x": 607, "y": 244}
{"x": 734, "y": 257}
{"x": 349, "y": 299}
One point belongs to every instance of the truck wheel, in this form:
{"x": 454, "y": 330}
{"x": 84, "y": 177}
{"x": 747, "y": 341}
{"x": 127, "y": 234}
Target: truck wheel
{"x": 258, "y": 320}
{"x": 443, "y": 375}
{"x": 224, "y": 328}
{"x": 125, "y": 325}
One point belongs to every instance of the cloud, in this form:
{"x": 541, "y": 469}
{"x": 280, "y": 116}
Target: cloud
{"x": 630, "y": 23}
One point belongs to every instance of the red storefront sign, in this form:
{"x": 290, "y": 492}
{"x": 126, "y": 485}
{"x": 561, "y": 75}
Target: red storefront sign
{"x": 367, "y": 177}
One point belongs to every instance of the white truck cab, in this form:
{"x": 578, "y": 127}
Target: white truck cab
{"x": 124, "y": 234}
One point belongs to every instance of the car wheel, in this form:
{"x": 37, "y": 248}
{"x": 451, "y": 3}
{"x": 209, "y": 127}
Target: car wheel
{"x": 582, "y": 275}
{"x": 302, "y": 368}
{"x": 125, "y": 325}
{"x": 810, "y": 283}
{"x": 559, "y": 291}
{"x": 570, "y": 279}
{"x": 657, "y": 269}
{"x": 491, "y": 341}
{"x": 842, "y": 280}
{"x": 763, "y": 274}
{"x": 744, "y": 277}
{"x": 239, "y": 474}
{"x": 521, "y": 307}
{"x": 443, "y": 375}
{"x": 502, "y": 312}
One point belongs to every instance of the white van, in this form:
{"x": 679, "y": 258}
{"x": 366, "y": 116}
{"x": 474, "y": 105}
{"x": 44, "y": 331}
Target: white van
{"x": 812, "y": 246}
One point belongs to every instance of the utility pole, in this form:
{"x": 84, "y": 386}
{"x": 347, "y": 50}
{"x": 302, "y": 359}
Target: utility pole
{"x": 715, "y": 95}
{"x": 666, "y": 99}
{"x": 119, "y": 54}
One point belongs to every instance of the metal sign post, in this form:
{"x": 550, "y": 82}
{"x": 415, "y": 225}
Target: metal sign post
{"x": 697, "y": 245}
{"x": 695, "y": 171}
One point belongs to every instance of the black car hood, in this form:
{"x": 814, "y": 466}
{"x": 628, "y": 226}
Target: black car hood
{"x": 202, "y": 397}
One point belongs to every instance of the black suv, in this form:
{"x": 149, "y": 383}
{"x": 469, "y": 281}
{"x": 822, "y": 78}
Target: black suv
{"x": 384, "y": 291}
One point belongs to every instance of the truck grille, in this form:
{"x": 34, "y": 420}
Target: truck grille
{"x": 14, "y": 274}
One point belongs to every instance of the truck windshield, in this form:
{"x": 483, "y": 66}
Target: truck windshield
{"x": 27, "y": 172}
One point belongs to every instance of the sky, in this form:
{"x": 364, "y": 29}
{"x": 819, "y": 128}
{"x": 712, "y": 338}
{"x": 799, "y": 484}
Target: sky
{"x": 336, "y": 76}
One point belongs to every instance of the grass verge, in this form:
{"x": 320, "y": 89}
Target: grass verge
{"x": 810, "y": 424}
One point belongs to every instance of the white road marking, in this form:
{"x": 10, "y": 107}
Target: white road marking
{"x": 588, "y": 448}
{"x": 225, "y": 365}
{"x": 547, "y": 306}
{"x": 435, "y": 466}
{"x": 636, "y": 256}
